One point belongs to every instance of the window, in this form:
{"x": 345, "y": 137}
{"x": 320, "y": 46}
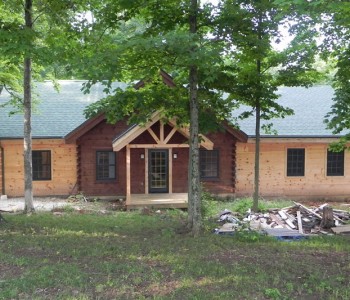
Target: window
{"x": 41, "y": 165}
{"x": 105, "y": 165}
{"x": 296, "y": 162}
{"x": 335, "y": 163}
{"x": 209, "y": 163}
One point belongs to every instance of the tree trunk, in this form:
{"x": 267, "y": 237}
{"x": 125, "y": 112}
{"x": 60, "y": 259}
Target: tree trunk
{"x": 257, "y": 149}
{"x": 194, "y": 187}
{"x": 2, "y": 220}
{"x": 28, "y": 170}
{"x": 257, "y": 160}
{"x": 327, "y": 218}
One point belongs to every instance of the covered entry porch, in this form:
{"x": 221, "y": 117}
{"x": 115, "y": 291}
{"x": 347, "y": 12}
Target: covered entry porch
{"x": 156, "y": 160}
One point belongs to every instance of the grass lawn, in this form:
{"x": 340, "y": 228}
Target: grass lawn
{"x": 128, "y": 255}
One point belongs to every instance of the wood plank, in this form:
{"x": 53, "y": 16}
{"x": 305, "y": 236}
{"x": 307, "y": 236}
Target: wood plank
{"x": 177, "y": 200}
{"x": 155, "y": 146}
{"x": 161, "y": 132}
{"x": 308, "y": 210}
{"x": 300, "y": 224}
{"x": 170, "y": 175}
{"x": 170, "y": 135}
{"x": 128, "y": 175}
{"x": 151, "y": 132}
{"x": 282, "y": 232}
{"x": 344, "y": 229}
{"x": 134, "y": 133}
{"x": 146, "y": 172}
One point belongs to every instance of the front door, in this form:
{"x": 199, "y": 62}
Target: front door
{"x": 158, "y": 171}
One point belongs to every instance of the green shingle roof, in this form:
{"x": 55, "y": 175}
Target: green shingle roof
{"x": 61, "y": 112}
{"x": 310, "y": 106}
{"x": 58, "y": 113}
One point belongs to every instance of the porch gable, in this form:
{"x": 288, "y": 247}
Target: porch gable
{"x": 160, "y": 138}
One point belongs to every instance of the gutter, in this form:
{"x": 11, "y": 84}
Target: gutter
{"x": 298, "y": 136}
{"x": 3, "y": 170}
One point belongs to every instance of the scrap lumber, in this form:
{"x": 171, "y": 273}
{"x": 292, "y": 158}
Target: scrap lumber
{"x": 300, "y": 224}
{"x": 308, "y": 210}
{"x": 298, "y": 218}
{"x": 345, "y": 229}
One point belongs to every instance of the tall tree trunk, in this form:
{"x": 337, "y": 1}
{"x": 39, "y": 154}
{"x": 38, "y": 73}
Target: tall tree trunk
{"x": 257, "y": 148}
{"x": 257, "y": 127}
{"x": 194, "y": 187}
{"x": 28, "y": 169}
{"x": 257, "y": 159}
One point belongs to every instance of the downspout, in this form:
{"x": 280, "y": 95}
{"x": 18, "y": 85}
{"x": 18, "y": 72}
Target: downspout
{"x": 2, "y": 170}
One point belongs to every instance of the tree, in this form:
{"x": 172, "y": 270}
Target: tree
{"x": 174, "y": 36}
{"x": 33, "y": 36}
{"x": 27, "y": 103}
{"x": 336, "y": 46}
{"x": 250, "y": 29}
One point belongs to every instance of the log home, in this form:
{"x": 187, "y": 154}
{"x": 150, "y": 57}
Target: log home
{"x": 138, "y": 163}
{"x": 296, "y": 162}
{"x": 149, "y": 163}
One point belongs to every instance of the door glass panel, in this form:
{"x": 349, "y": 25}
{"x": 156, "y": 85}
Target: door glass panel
{"x": 158, "y": 171}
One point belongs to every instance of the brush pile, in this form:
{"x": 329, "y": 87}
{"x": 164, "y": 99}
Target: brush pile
{"x": 298, "y": 218}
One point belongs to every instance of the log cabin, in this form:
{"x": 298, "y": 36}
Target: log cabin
{"x": 296, "y": 162}
{"x": 148, "y": 164}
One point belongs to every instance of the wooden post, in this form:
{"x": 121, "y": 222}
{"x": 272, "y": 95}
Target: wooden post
{"x": 170, "y": 175}
{"x": 146, "y": 171}
{"x": 128, "y": 176}
{"x": 327, "y": 218}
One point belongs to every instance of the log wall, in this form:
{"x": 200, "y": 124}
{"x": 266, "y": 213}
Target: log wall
{"x": 100, "y": 139}
{"x": 274, "y": 183}
{"x": 63, "y": 168}
{"x": 225, "y": 184}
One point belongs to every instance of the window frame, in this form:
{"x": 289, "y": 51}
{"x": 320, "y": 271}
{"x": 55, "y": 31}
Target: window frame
{"x": 39, "y": 168}
{"x": 336, "y": 161}
{"x": 217, "y": 163}
{"x": 97, "y": 165}
{"x": 293, "y": 171}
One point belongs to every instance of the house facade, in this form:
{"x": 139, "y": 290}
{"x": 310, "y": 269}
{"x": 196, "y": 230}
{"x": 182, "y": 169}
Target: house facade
{"x": 133, "y": 162}
{"x": 296, "y": 163}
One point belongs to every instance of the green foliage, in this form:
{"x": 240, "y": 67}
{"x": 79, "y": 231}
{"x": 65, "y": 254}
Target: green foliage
{"x": 257, "y": 69}
{"x": 209, "y": 204}
{"x": 336, "y": 46}
{"x": 273, "y": 293}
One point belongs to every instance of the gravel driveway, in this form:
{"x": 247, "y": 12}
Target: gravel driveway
{"x": 40, "y": 204}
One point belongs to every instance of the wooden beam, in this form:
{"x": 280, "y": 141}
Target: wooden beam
{"x": 154, "y": 135}
{"x": 146, "y": 171}
{"x": 170, "y": 175}
{"x": 128, "y": 176}
{"x": 134, "y": 133}
{"x": 204, "y": 141}
{"x": 156, "y": 146}
{"x": 161, "y": 131}
{"x": 170, "y": 135}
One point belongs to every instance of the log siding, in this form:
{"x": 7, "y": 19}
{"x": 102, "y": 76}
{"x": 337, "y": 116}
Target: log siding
{"x": 274, "y": 182}
{"x": 63, "y": 166}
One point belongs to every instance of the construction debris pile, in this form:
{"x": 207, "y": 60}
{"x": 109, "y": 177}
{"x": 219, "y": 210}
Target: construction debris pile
{"x": 289, "y": 221}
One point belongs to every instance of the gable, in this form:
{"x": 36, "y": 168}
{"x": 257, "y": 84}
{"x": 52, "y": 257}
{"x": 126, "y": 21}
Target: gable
{"x": 160, "y": 138}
